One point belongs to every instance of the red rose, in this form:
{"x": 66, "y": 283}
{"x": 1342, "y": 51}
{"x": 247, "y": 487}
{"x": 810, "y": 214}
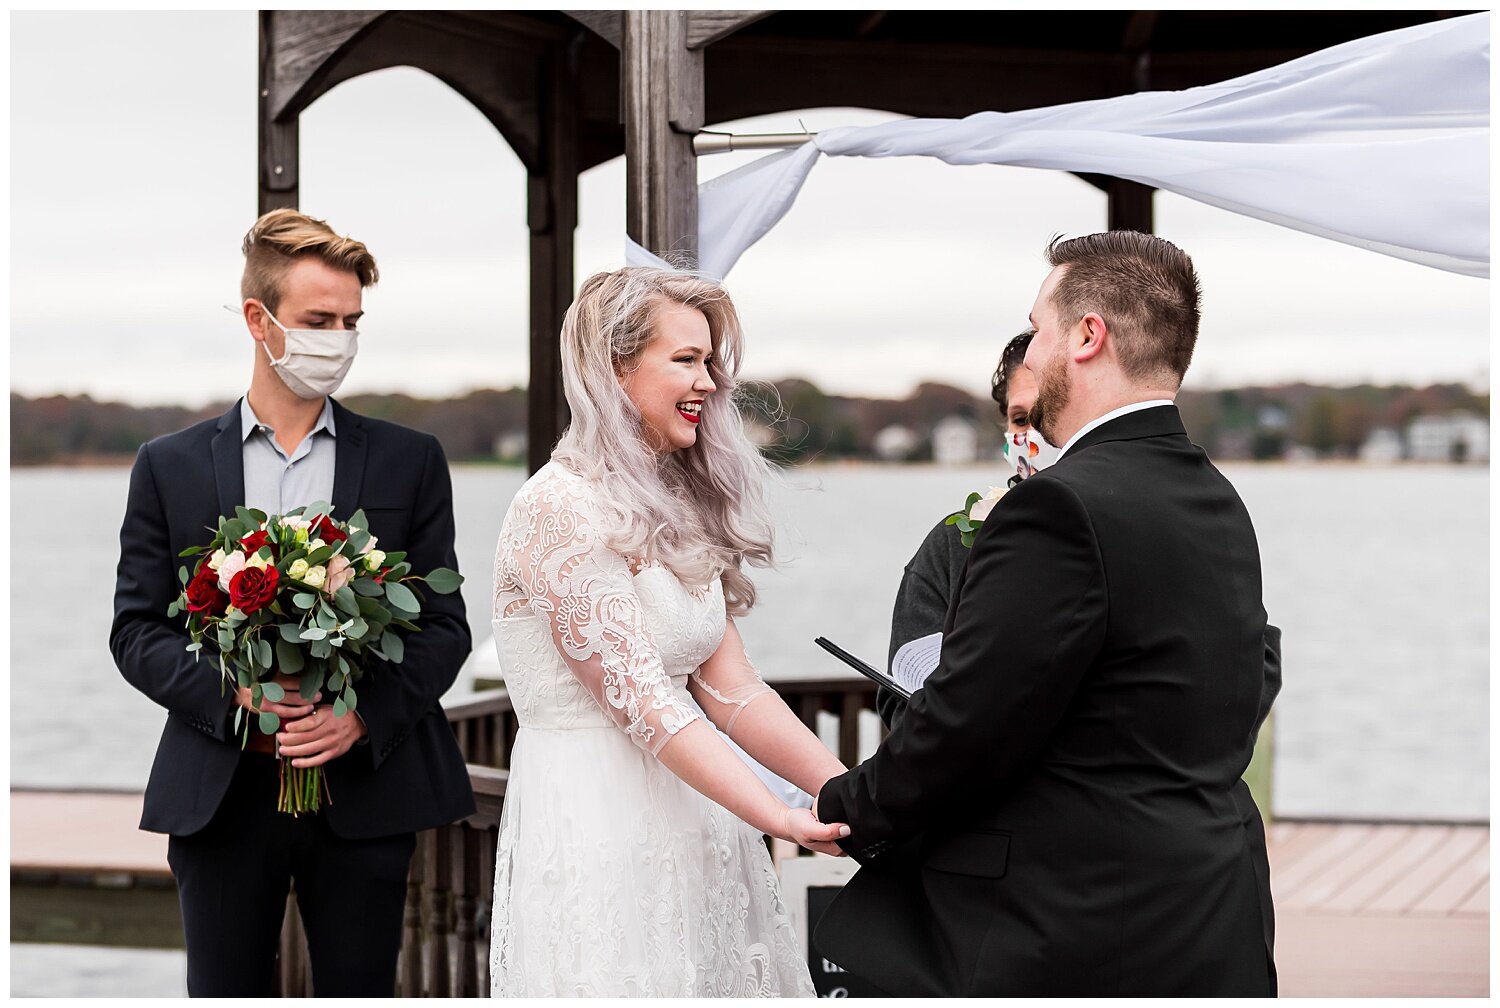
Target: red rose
{"x": 254, "y": 541}
{"x": 203, "y": 593}
{"x": 253, "y": 588}
{"x": 326, "y": 530}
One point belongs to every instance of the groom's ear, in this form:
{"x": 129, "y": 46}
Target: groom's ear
{"x": 1089, "y": 337}
{"x": 255, "y": 319}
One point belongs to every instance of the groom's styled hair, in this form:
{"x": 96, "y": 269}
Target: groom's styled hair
{"x": 283, "y": 236}
{"x": 1144, "y": 288}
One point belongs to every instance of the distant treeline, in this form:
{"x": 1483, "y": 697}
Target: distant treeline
{"x": 794, "y": 419}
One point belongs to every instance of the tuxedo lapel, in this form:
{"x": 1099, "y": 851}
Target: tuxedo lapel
{"x": 349, "y": 462}
{"x": 229, "y": 461}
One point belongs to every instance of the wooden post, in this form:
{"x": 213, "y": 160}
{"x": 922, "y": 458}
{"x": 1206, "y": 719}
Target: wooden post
{"x": 661, "y": 86}
{"x": 552, "y": 216}
{"x": 1130, "y": 206}
{"x": 276, "y": 141}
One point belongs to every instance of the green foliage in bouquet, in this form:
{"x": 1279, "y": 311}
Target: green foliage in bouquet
{"x": 304, "y": 595}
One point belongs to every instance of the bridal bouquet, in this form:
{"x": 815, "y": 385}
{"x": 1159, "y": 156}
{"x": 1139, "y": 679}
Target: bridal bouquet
{"x": 304, "y": 595}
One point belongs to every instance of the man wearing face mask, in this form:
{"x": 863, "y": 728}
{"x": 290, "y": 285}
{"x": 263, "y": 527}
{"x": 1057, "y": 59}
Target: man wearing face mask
{"x": 392, "y": 767}
{"x": 937, "y": 566}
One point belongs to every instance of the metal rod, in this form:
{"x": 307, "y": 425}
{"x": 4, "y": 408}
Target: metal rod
{"x": 709, "y": 142}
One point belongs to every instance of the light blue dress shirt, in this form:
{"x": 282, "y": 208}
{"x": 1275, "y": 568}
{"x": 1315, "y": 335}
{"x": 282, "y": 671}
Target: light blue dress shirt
{"x": 276, "y": 482}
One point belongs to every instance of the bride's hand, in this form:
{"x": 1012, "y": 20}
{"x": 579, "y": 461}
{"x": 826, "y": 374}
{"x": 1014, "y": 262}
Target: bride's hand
{"x": 803, "y": 829}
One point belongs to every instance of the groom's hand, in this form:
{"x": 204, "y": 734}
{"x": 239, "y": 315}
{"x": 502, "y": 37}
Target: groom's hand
{"x": 803, "y": 828}
{"x": 320, "y": 736}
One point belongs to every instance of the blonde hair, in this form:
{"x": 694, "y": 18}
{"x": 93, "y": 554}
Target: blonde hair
{"x": 700, "y": 511}
{"x": 280, "y": 237}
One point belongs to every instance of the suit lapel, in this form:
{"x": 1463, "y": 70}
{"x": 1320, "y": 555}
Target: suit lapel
{"x": 349, "y": 462}
{"x": 229, "y": 461}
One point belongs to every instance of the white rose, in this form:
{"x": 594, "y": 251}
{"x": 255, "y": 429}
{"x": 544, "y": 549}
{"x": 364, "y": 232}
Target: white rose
{"x": 371, "y": 545}
{"x": 298, "y": 568}
{"x": 982, "y": 507}
{"x": 217, "y": 560}
{"x": 315, "y": 577}
{"x": 232, "y": 565}
{"x": 256, "y": 560}
{"x": 373, "y": 560}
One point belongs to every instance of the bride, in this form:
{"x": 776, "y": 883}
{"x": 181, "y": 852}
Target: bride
{"x": 631, "y": 860}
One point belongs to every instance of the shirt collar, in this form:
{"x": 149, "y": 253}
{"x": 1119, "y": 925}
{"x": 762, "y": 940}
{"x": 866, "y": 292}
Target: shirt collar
{"x": 249, "y": 422}
{"x": 1106, "y": 418}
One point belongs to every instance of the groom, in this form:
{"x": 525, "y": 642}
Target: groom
{"x": 1060, "y": 809}
{"x": 393, "y": 767}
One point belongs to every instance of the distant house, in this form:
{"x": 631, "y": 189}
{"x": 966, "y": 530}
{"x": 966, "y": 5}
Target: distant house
{"x": 895, "y": 443}
{"x": 954, "y": 441}
{"x": 1383, "y": 445}
{"x": 1459, "y": 436}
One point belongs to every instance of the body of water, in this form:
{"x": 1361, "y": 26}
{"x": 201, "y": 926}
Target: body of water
{"x": 1377, "y": 575}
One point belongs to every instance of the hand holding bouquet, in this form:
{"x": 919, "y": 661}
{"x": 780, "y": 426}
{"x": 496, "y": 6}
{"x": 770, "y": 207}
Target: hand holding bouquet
{"x": 306, "y": 596}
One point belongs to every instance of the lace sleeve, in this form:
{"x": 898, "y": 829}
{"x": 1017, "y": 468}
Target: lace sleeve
{"x": 726, "y": 683}
{"x": 586, "y": 592}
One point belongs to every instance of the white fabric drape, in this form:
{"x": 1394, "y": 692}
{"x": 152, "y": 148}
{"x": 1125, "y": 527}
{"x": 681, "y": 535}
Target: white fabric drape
{"x": 1381, "y": 143}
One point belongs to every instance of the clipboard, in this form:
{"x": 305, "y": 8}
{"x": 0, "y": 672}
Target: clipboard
{"x": 863, "y": 668}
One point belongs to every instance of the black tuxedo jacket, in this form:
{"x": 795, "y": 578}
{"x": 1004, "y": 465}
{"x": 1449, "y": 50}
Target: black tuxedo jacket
{"x": 1060, "y": 810}
{"x": 407, "y": 775}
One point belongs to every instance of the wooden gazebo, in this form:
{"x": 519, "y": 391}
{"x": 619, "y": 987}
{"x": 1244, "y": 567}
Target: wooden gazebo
{"x": 571, "y": 89}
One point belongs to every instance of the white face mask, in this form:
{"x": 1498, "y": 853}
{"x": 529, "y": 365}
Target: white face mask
{"x": 315, "y": 360}
{"x": 1029, "y": 452}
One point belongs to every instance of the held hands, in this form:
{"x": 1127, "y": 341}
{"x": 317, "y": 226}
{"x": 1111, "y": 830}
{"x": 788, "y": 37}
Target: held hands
{"x": 801, "y": 827}
{"x": 310, "y": 733}
{"x": 320, "y": 737}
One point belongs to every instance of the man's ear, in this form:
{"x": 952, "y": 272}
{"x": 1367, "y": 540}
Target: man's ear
{"x": 255, "y": 319}
{"x": 1090, "y": 337}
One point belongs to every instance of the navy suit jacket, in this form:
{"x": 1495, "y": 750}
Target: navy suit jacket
{"x": 409, "y": 774}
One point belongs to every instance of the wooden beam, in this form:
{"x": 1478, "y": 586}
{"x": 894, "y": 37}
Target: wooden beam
{"x": 276, "y": 139}
{"x": 608, "y": 25}
{"x": 303, "y": 46}
{"x": 1131, "y": 206}
{"x": 704, "y": 28}
{"x": 552, "y": 218}
{"x": 661, "y": 82}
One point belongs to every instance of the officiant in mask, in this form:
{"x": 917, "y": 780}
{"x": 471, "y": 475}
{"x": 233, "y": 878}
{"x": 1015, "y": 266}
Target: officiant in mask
{"x": 937, "y": 566}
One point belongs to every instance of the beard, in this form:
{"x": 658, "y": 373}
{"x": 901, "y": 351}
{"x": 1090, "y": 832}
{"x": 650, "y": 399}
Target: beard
{"x": 1052, "y": 394}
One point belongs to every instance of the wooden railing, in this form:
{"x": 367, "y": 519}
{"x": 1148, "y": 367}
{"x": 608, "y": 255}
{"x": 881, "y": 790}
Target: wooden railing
{"x": 446, "y": 941}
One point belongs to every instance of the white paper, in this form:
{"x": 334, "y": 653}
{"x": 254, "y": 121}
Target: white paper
{"x": 915, "y": 661}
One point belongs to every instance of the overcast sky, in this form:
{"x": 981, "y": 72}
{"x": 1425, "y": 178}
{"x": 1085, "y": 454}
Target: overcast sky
{"x": 133, "y": 181}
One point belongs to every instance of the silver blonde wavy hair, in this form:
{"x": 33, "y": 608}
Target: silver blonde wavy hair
{"x": 703, "y": 511}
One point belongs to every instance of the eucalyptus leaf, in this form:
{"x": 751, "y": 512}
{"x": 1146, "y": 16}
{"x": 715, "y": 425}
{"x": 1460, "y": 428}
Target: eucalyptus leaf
{"x": 273, "y": 691}
{"x": 336, "y": 681}
{"x": 356, "y": 629}
{"x": 195, "y": 646}
{"x": 336, "y": 641}
{"x": 191, "y": 551}
{"x": 444, "y": 581}
{"x": 340, "y": 708}
{"x": 367, "y": 587}
{"x": 405, "y": 624}
{"x": 319, "y": 556}
{"x": 174, "y": 608}
{"x": 392, "y": 559}
{"x": 256, "y": 692}
{"x": 346, "y": 601}
{"x": 269, "y": 723}
{"x": 401, "y": 597}
{"x": 183, "y": 576}
{"x": 310, "y": 683}
{"x": 350, "y": 697}
{"x": 226, "y": 639}
{"x": 320, "y": 649}
{"x": 239, "y": 716}
{"x": 393, "y": 647}
{"x": 356, "y": 543}
{"x": 288, "y": 657}
{"x": 304, "y": 600}
{"x": 358, "y": 520}
{"x": 291, "y": 632}
{"x": 314, "y": 634}
{"x": 263, "y": 654}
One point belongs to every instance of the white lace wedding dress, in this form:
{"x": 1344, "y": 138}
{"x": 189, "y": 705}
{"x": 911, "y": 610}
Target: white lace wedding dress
{"x": 613, "y": 877}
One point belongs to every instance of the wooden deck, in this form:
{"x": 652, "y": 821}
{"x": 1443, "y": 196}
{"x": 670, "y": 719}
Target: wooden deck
{"x": 1381, "y": 910}
{"x": 1362, "y": 909}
